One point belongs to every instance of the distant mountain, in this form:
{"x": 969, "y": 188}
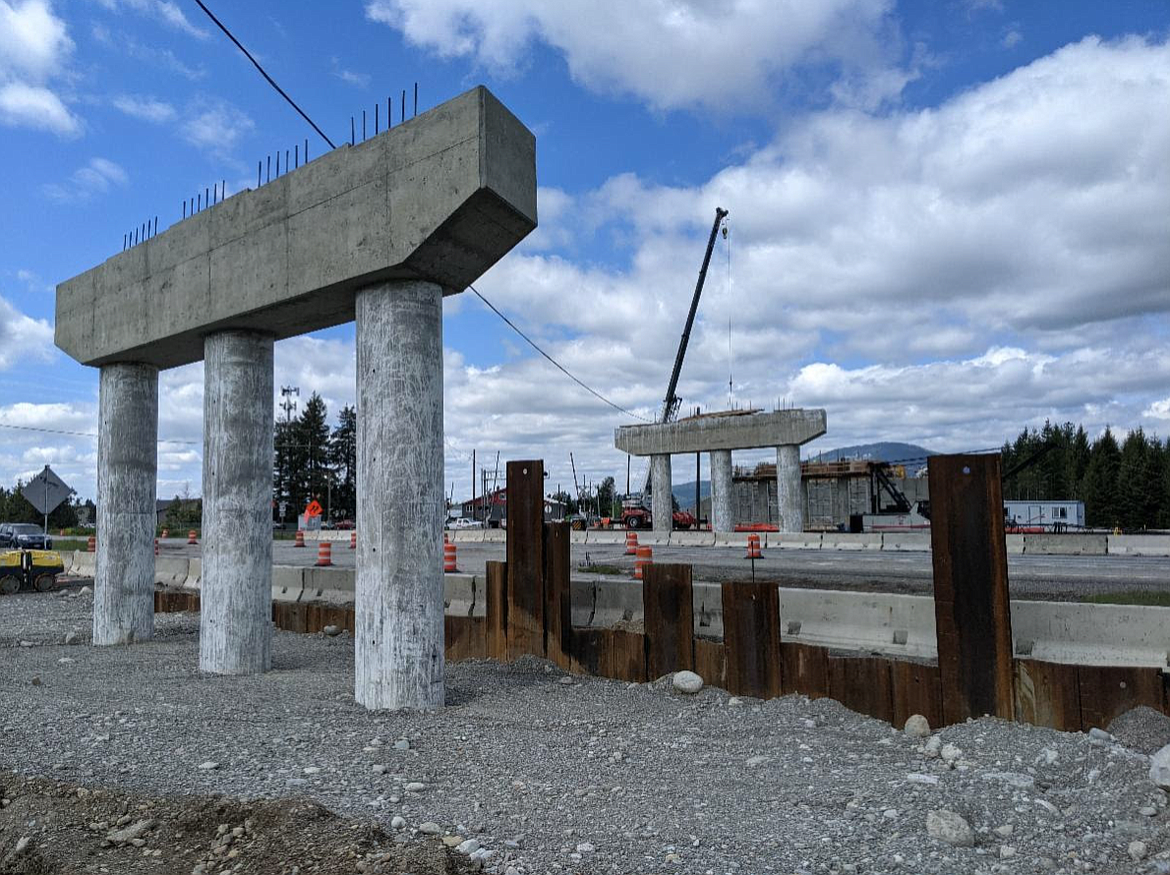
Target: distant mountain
{"x": 684, "y": 493}
{"x": 883, "y": 451}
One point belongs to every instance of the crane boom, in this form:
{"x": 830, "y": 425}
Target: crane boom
{"x": 670, "y": 404}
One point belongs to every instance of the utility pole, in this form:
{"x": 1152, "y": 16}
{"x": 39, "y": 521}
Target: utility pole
{"x": 473, "y": 505}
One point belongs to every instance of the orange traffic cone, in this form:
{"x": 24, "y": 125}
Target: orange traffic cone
{"x": 353, "y": 540}
{"x": 91, "y": 544}
{"x": 191, "y": 539}
{"x": 156, "y": 546}
{"x": 631, "y": 543}
{"x": 645, "y": 557}
{"x": 449, "y": 565}
{"x": 754, "y": 548}
{"x": 324, "y": 553}
{"x": 300, "y": 539}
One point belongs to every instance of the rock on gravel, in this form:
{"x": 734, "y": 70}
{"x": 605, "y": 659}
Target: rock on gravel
{"x": 949, "y": 827}
{"x": 687, "y": 682}
{"x": 917, "y": 726}
{"x": 1142, "y": 729}
{"x": 1160, "y": 768}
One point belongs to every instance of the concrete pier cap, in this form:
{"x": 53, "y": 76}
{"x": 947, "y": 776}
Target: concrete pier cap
{"x": 719, "y": 434}
{"x": 439, "y": 198}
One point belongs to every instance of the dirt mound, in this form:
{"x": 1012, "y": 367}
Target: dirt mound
{"x": 51, "y": 828}
{"x": 1142, "y": 729}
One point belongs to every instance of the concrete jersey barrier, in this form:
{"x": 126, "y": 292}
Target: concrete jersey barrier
{"x": 793, "y": 540}
{"x": 1066, "y": 545}
{"x": 692, "y": 539}
{"x": 1138, "y": 545}
{"x": 171, "y": 570}
{"x": 906, "y": 542}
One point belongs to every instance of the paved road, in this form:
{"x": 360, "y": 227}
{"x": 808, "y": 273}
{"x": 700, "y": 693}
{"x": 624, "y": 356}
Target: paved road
{"x": 1047, "y": 577}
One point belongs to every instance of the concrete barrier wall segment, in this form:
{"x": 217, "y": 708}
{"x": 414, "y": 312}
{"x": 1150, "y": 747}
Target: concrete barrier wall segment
{"x": 793, "y": 540}
{"x": 194, "y": 573}
{"x": 495, "y": 536}
{"x": 692, "y": 539}
{"x": 1138, "y": 545}
{"x": 288, "y": 582}
{"x": 333, "y": 585}
{"x": 83, "y": 563}
{"x": 598, "y": 536}
{"x": 1066, "y": 545}
{"x": 467, "y": 536}
{"x": 459, "y": 594}
{"x": 576, "y": 537}
{"x": 171, "y": 570}
{"x": 732, "y": 539}
{"x": 906, "y": 542}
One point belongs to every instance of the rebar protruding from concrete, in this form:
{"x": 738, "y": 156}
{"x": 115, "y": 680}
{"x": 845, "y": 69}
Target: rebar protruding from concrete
{"x": 123, "y": 598}
{"x": 235, "y": 628}
{"x": 400, "y": 507}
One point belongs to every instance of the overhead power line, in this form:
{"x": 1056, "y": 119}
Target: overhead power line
{"x": 88, "y": 434}
{"x": 554, "y": 362}
{"x": 264, "y": 73}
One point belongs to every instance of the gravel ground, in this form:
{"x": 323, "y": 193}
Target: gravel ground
{"x": 549, "y": 773}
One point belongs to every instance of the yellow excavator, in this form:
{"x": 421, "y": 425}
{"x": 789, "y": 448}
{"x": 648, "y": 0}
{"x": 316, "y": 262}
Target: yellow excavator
{"x": 29, "y": 570}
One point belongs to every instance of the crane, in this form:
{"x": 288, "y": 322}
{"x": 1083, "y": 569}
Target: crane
{"x": 670, "y": 404}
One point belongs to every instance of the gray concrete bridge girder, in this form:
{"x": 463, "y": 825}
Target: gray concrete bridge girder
{"x": 661, "y": 492}
{"x": 399, "y": 640}
{"x": 123, "y": 600}
{"x": 722, "y": 492}
{"x": 235, "y": 621}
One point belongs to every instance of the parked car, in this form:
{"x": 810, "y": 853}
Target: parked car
{"x": 462, "y": 522}
{"x": 24, "y": 536}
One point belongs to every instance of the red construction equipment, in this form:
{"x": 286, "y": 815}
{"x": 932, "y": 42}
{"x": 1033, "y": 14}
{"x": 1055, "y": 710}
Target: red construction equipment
{"x": 324, "y": 553}
{"x": 191, "y": 539}
{"x": 449, "y": 565}
{"x": 645, "y": 557}
{"x": 300, "y": 539}
{"x": 631, "y": 543}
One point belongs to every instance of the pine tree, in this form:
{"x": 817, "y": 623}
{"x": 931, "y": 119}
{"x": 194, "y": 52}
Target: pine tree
{"x": 1101, "y": 482}
{"x": 312, "y": 436}
{"x": 1133, "y": 473}
{"x": 343, "y": 460}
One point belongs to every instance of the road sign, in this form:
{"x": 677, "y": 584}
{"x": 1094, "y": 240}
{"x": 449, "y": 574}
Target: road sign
{"x": 314, "y": 508}
{"x": 46, "y": 491}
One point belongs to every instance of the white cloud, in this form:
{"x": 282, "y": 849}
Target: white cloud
{"x": 165, "y": 11}
{"x": 145, "y": 108}
{"x": 98, "y": 176}
{"x": 215, "y": 126}
{"x": 23, "y": 338}
{"x": 34, "y": 49}
{"x": 669, "y": 53}
{"x": 33, "y": 106}
{"x": 33, "y": 41}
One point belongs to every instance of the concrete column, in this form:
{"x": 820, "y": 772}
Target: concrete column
{"x": 789, "y": 498}
{"x": 722, "y": 492}
{"x": 400, "y": 508}
{"x": 123, "y": 591}
{"x": 661, "y": 494}
{"x": 235, "y": 622}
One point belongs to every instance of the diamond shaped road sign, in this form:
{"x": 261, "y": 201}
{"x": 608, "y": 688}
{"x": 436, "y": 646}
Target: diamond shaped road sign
{"x": 46, "y": 491}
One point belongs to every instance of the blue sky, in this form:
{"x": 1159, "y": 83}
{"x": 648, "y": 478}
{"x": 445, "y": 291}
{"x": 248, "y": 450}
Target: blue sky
{"x": 948, "y": 219}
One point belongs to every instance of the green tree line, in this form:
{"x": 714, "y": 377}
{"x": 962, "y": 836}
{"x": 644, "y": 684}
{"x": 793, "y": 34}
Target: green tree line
{"x": 15, "y": 508}
{"x": 313, "y": 460}
{"x": 1124, "y": 485}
